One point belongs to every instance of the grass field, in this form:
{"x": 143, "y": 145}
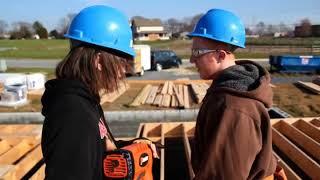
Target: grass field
{"x": 57, "y": 49}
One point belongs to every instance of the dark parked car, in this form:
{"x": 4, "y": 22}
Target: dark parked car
{"x": 161, "y": 59}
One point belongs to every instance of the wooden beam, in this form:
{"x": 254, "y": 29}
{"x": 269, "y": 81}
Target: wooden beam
{"x": 287, "y": 170}
{"x": 166, "y": 100}
{"x": 315, "y": 122}
{"x": 187, "y": 150}
{"x": 309, "y": 145}
{"x": 163, "y": 81}
{"x": 6, "y": 172}
{"x": 186, "y": 97}
{"x": 28, "y": 162}
{"x": 310, "y": 86}
{"x": 179, "y": 97}
{"x": 165, "y": 88}
{"x": 174, "y": 101}
{"x": 4, "y": 146}
{"x": 170, "y": 88}
{"x": 158, "y": 100}
{"x": 111, "y": 97}
{"x": 142, "y": 96}
{"x": 40, "y": 174}
{"x": 18, "y": 151}
{"x": 309, "y": 129}
{"x": 152, "y": 95}
{"x": 308, "y": 165}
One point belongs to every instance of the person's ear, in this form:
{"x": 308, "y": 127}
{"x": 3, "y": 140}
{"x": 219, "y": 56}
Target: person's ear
{"x": 97, "y": 62}
{"x": 221, "y": 56}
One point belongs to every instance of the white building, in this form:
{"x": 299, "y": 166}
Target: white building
{"x": 148, "y": 30}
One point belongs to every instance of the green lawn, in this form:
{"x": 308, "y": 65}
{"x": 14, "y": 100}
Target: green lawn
{"x": 37, "y": 49}
{"x": 57, "y": 49}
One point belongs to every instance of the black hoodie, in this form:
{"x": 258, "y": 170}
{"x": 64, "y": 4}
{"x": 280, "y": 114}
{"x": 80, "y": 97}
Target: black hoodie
{"x": 72, "y": 145}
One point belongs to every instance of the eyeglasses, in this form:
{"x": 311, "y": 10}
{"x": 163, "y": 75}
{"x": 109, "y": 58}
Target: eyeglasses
{"x": 200, "y": 52}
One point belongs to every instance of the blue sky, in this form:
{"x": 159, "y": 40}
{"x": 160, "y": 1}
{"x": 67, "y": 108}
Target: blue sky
{"x": 51, "y": 12}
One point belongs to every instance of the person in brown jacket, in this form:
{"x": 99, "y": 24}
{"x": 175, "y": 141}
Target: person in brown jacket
{"x": 233, "y": 137}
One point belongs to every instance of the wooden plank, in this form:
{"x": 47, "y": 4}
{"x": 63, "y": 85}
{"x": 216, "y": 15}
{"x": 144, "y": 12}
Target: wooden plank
{"x": 180, "y": 90}
{"x": 28, "y": 162}
{"x": 310, "y": 86}
{"x": 186, "y": 97}
{"x": 158, "y": 100}
{"x": 315, "y": 122}
{"x": 309, "y": 129}
{"x": 166, "y": 100}
{"x": 308, "y": 165}
{"x": 170, "y": 88}
{"x": 18, "y": 151}
{"x": 111, "y": 97}
{"x": 316, "y": 81}
{"x": 142, "y": 96}
{"x": 289, "y": 172}
{"x": 165, "y": 88}
{"x": 308, "y": 144}
{"x": 163, "y": 81}
{"x": 4, "y": 146}
{"x": 187, "y": 151}
{"x": 152, "y": 95}
{"x": 40, "y": 174}
{"x": 6, "y": 171}
{"x": 174, "y": 101}
{"x": 179, "y": 97}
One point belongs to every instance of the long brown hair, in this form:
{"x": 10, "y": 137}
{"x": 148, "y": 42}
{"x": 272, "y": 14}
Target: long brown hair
{"x": 79, "y": 64}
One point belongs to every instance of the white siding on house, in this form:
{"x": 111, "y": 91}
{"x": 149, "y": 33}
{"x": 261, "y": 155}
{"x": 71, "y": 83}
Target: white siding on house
{"x": 150, "y": 28}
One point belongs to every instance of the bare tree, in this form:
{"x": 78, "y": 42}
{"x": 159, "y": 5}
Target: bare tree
{"x": 173, "y": 25}
{"x": 3, "y": 27}
{"x": 260, "y": 28}
{"x": 65, "y": 22}
{"x": 21, "y": 30}
{"x": 304, "y": 29}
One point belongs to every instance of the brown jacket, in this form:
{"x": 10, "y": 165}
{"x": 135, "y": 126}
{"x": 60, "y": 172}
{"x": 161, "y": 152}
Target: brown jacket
{"x": 233, "y": 132}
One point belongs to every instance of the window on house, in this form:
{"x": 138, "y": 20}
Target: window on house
{"x": 145, "y": 35}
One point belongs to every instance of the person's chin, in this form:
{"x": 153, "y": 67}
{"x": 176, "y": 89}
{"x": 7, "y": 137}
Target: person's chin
{"x": 204, "y": 77}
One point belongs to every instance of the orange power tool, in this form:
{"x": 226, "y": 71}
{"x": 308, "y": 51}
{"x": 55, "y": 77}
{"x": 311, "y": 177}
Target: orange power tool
{"x": 133, "y": 162}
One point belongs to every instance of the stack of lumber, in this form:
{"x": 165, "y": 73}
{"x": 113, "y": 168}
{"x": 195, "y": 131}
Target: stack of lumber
{"x": 169, "y": 94}
{"x": 20, "y": 152}
{"x": 317, "y": 80}
{"x": 110, "y": 97}
{"x": 310, "y": 86}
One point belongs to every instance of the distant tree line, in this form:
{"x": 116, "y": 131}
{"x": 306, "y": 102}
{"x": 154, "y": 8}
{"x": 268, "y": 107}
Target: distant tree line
{"x": 25, "y": 30}
{"x": 176, "y": 27}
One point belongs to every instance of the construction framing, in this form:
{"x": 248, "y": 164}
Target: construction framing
{"x": 296, "y": 144}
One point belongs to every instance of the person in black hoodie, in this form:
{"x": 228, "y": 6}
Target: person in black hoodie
{"x": 75, "y": 134}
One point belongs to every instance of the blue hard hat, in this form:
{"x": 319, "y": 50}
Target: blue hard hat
{"x": 221, "y": 25}
{"x": 103, "y": 26}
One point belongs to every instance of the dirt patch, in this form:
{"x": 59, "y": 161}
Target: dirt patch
{"x": 296, "y": 101}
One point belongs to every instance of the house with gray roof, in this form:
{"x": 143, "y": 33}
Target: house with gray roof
{"x": 148, "y": 29}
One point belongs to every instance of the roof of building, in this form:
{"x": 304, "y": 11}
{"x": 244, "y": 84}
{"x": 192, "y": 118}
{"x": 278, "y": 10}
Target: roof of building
{"x": 146, "y": 22}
